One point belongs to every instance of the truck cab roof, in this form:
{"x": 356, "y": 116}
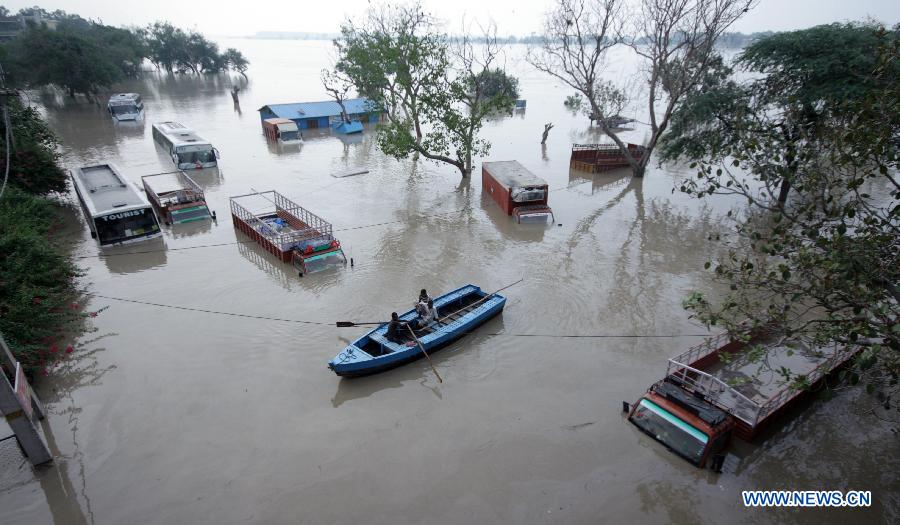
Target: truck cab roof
{"x": 709, "y": 414}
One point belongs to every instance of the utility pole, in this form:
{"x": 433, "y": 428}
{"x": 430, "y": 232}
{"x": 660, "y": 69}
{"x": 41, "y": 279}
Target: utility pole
{"x": 18, "y": 404}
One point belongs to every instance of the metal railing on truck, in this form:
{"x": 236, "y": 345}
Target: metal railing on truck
{"x": 305, "y": 224}
{"x": 726, "y": 397}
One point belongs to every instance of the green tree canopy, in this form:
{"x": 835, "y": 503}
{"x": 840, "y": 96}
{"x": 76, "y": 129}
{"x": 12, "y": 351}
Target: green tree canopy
{"x": 804, "y": 81}
{"x": 436, "y": 97}
{"x": 176, "y": 50}
{"x": 74, "y": 58}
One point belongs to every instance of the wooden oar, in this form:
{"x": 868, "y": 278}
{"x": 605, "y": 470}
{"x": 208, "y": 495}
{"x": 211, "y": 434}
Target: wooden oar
{"x": 425, "y": 353}
{"x": 483, "y": 299}
{"x": 350, "y": 324}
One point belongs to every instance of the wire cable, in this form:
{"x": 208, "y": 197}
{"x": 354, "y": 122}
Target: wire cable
{"x": 234, "y": 243}
{"x": 203, "y": 310}
{"x": 321, "y": 323}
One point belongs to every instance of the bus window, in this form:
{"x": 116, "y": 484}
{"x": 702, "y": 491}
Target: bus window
{"x": 121, "y": 226}
{"x": 196, "y": 154}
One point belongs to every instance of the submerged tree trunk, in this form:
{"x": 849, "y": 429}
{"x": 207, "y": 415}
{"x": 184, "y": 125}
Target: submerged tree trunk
{"x": 547, "y": 127}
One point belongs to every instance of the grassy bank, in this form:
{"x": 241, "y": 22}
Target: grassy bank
{"x": 39, "y": 310}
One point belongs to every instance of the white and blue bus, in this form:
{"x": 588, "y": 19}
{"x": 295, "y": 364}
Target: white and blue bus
{"x": 187, "y": 149}
{"x": 115, "y": 211}
{"x": 125, "y": 106}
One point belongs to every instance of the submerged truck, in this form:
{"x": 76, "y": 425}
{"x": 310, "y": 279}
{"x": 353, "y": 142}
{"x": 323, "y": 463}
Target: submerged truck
{"x": 715, "y": 391}
{"x": 282, "y": 130}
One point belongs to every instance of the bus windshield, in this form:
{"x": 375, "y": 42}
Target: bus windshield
{"x": 196, "y": 154}
{"x": 686, "y": 440}
{"x": 121, "y": 226}
{"x": 123, "y": 110}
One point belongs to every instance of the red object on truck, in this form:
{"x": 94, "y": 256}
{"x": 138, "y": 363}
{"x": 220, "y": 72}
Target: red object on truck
{"x": 518, "y": 191}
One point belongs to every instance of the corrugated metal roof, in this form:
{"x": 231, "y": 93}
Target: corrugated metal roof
{"x": 326, "y": 108}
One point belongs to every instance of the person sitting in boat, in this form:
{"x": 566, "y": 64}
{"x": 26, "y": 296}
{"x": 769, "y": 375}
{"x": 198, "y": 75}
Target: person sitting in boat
{"x": 426, "y": 314}
{"x": 396, "y": 328}
{"x": 430, "y": 313}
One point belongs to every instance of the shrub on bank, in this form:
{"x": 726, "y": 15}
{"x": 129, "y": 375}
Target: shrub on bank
{"x": 39, "y": 308}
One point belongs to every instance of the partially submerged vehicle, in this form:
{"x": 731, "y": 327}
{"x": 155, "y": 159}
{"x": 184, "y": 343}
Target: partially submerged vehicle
{"x": 714, "y": 391}
{"x": 187, "y": 149}
{"x": 288, "y": 231}
{"x": 177, "y": 198}
{"x": 459, "y": 312}
{"x": 519, "y": 192}
{"x": 116, "y": 213}
{"x": 125, "y": 106}
{"x": 282, "y": 130}
{"x": 596, "y": 158}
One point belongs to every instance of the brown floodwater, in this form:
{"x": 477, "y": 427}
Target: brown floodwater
{"x": 173, "y": 416}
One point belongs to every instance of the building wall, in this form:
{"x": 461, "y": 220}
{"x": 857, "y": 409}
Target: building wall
{"x": 323, "y": 122}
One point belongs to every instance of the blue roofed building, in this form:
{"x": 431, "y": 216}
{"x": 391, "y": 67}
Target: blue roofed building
{"x": 310, "y": 115}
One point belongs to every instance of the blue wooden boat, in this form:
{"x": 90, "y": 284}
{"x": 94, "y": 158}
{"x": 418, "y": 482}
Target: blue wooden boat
{"x": 459, "y": 312}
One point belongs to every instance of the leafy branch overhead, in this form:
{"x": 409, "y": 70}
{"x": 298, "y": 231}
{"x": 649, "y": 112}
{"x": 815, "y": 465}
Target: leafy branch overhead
{"x": 811, "y": 144}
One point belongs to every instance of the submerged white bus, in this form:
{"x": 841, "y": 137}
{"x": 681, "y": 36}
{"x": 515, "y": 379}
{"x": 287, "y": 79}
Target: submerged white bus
{"x": 187, "y": 149}
{"x": 115, "y": 211}
{"x": 125, "y": 106}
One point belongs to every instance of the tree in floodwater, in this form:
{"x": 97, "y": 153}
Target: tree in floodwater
{"x": 78, "y": 56}
{"x": 822, "y": 262}
{"x": 435, "y": 96}
{"x": 338, "y": 86}
{"x": 674, "y": 38}
{"x": 176, "y": 50}
{"x": 236, "y": 61}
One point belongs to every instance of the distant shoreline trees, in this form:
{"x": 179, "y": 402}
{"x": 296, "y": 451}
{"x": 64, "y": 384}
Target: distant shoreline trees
{"x": 82, "y": 56}
{"x": 178, "y": 51}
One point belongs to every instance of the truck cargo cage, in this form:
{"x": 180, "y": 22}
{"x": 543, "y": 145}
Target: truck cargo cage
{"x": 177, "y": 197}
{"x": 596, "y": 158}
{"x": 684, "y": 369}
{"x": 285, "y": 229}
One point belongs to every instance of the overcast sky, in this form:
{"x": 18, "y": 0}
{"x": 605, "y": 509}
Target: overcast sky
{"x": 518, "y": 17}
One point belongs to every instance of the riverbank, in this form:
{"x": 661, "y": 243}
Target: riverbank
{"x": 40, "y": 307}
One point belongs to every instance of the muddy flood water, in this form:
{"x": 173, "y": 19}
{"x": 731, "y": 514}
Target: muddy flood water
{"x": 175, "y": 416}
